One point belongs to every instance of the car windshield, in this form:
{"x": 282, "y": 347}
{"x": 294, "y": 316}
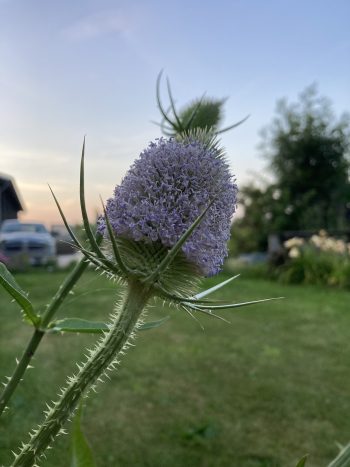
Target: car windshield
{"x": 17, "y": 227}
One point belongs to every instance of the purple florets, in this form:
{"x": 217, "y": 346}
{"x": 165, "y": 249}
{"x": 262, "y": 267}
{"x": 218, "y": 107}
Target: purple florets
{"x": 165, "y": 190}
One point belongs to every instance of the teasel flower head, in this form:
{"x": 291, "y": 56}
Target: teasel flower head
{"x": 171, "y": 183}
{"x": 163, "y": 193}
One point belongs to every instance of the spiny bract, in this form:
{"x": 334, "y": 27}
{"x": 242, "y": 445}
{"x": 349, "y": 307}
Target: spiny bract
{"x": 163, "y": 193}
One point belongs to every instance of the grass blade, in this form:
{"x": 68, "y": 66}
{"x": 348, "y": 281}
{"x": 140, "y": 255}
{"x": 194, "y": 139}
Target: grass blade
{"x": 302, "y": 461}
{"x": 81, "y": 452}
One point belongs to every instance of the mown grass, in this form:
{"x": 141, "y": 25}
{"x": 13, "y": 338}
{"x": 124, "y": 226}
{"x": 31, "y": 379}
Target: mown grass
{"x": 260, "y": 392}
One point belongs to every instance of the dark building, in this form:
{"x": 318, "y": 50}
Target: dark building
{"x": 10, "y": 202}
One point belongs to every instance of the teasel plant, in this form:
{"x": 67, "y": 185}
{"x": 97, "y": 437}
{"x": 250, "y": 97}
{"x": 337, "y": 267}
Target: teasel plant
{"x": 164, "y": 229}
{"x": 204, "y": 113}
{"x": 200, "y": 117}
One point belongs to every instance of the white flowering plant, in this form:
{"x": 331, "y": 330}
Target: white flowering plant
{"x": 320, "y": 259}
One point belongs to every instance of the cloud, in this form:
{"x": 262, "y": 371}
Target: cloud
{"x": 98, "y": 24}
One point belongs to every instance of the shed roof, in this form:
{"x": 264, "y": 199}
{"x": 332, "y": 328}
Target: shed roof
{"x": 8, "y": 183}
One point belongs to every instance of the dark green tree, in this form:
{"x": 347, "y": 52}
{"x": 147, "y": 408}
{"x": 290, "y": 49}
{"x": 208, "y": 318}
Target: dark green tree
{"x": 308, "y": 153}
{"x": 307, "y": 149}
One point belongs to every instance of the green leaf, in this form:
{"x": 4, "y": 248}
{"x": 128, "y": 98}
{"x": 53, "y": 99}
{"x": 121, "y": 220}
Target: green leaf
{"x": 302, "y": 462}
{"x": 94, "y": 327}
{"x": 11, "y": 286}
{"x": 78, "y": 325}
{"x": 81, "y": 451}
{"x": 152, "y": 324}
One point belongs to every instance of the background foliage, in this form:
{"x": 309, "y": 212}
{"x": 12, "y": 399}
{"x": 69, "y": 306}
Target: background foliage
{"x": 307, "y": 150}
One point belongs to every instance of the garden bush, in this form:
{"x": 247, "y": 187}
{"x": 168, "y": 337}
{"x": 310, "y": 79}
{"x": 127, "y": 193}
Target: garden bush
{"x": 322, "y": 260}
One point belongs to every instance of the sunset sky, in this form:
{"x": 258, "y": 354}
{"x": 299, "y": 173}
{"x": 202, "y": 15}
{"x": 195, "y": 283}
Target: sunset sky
{"x": 70, "y": 68}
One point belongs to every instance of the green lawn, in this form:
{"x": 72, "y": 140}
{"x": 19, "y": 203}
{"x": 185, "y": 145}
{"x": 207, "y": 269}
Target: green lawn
{"x": 260, "y": 392}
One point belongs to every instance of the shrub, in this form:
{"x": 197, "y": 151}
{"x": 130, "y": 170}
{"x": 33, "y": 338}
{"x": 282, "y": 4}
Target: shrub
{"x": 320, "y": 260}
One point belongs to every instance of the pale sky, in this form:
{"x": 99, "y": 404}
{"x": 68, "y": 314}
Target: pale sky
{"x": 70, "y": 68}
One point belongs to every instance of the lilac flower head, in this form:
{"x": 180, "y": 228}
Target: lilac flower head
{"x": 165, "y": 190}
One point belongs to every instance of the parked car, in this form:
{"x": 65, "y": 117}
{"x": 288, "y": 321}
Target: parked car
{"x": 27, "y": 243}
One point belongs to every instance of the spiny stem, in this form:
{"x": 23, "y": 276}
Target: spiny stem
{"x": 89, "y": 372}
{"x": 38, "y": 334}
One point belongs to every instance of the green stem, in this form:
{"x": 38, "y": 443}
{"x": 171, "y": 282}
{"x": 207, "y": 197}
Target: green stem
{"x": 20, "y": 369}
{"x": 38, "y": 334}
{"x": 102, "y": 358}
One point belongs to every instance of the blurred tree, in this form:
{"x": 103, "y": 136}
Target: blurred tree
{"x": 308, "y": 153}
{"x": 307, "y": 149}
{"x": 250, "y": 232}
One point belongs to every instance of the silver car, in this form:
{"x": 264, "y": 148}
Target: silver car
{"x": 28, "y": 243}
